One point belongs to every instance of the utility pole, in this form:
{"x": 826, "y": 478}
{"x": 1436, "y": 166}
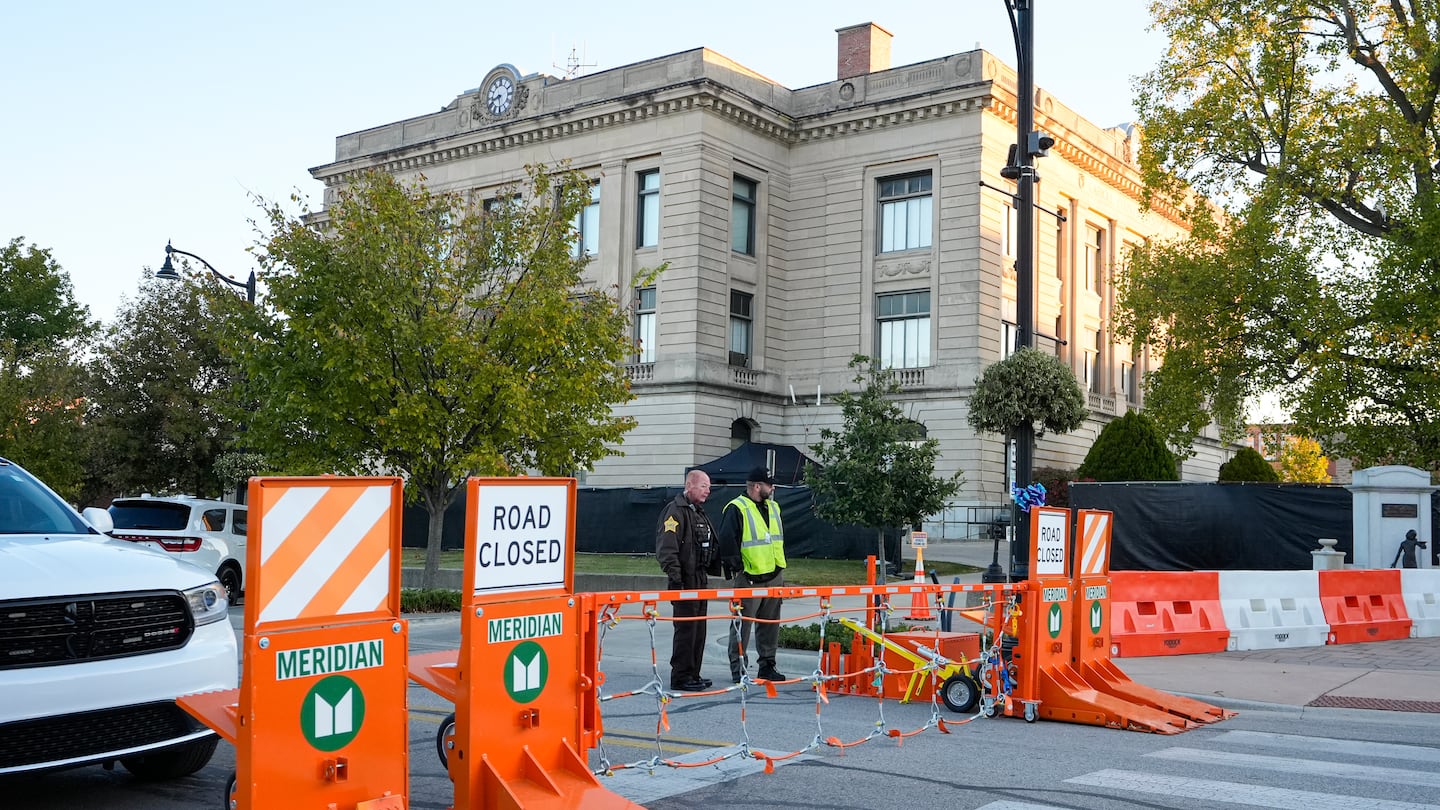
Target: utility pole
{"x": 1029, "y": 145}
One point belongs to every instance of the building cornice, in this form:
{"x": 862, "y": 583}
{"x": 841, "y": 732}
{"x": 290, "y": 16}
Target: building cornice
{"x": 1113, "y": 171}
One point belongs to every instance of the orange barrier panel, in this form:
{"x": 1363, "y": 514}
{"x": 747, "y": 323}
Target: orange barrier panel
{"x": 1047, "y": 644}
{"x": 524, "y": 696}
{"x": 1363, "y": 606}
{"x": 1166, "y": 613}
{"x": 320, "y": 719}
{"x": 1093, "y": 642}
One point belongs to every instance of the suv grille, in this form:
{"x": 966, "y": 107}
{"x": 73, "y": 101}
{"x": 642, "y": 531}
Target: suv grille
{"x": 40, "y": 632}
{"x": 84, "y": 734}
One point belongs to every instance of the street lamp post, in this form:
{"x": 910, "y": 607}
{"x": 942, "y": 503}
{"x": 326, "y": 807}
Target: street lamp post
{"x": 1029, "y": 145}
{"x": 167, "y": 271}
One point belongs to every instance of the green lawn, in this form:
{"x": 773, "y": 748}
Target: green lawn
{"x": 797, "y": 572}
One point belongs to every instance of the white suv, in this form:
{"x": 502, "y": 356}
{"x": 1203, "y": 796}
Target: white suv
{"x": 97, "y": 639}
{"x": 210, "y": 534}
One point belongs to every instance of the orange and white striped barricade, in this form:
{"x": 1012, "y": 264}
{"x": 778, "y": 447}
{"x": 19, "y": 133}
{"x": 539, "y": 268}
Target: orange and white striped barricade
{"x": 517, "y": 681}
{"x": 1092, "y": 634}
{"x": 321, "y": 718}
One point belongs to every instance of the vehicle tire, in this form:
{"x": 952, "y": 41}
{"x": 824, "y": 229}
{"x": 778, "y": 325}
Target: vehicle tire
{"x": 227, "y": 801}
{"x": 960, "y": 693}
{"x": 230, "y": 581}
{"x": 173, "y": 762}
{"x": 447, "y": 731}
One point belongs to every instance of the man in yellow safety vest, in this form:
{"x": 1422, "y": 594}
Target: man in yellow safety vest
{"x": 752, "y": 549}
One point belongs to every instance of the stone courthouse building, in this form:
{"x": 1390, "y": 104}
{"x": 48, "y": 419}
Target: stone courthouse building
{"x": 803, "y": 226}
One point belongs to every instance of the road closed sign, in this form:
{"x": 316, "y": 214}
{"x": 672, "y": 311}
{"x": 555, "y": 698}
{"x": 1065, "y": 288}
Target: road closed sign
{"x": 1050, "y": 541}
{"x": 522, "y": 534}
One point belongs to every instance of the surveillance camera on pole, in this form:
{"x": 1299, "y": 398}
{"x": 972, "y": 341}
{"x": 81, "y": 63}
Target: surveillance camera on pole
{"x": 1039, "y": 144}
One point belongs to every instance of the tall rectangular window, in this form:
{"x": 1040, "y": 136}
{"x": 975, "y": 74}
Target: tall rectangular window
{"x": 503, "y": 253}
{"x": 742, "y": 328}
{"x": 742, "y": 216}
{"x": 645, "y": 325}
{"x": 587, "y": 226}
{"x": 1007, "y": 231}
{"x": 1009, "y": 328}
{"x": 647, "y": 210}
{"x": 1097, "y": 363}
{"x": 905, "y": 212}
{"x": 1094, "y": 258}
{"x": 903, "y": 329}
{"x": 1062, "y": 249}
{"x": 1127, "y": 380}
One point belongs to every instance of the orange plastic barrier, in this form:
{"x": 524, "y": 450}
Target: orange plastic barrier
{"x": 320, "y": 719}
{"x": 1364, "y": 606}
{"x": 1166, "y": 613}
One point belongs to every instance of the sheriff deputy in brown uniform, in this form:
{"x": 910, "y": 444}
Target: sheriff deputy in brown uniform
{"x": 684, "y": 547}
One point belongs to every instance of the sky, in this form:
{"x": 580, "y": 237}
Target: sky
{"x": 130, "y": 124}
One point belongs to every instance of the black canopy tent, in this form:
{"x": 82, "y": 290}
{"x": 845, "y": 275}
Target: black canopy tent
{"x": 786, "y": 463}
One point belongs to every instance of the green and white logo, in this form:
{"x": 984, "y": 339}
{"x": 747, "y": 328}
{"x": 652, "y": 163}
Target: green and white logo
{"x": 526, "y": 670}
{"x": 1054, "y": 619}
{"x": 332, "y": 713}
{"x": 1097, "y": 616}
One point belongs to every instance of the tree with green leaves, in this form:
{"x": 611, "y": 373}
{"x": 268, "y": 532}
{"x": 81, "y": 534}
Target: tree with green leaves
{"x": 878, "y": 471}
{"x": 416, "y": 333}
{"x": 163, "y": 413}
{"x": 1029, "y": 390}
{"x": 1313, "y": 267}
{"x": 1129, "y": 449}
{"x": 1302, "y": 462}
{"x": 1248, "y": 465}
{"x": 42, "y": 386}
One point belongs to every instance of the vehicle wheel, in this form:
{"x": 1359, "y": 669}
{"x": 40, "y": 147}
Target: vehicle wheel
{"x": 230, "y": 581}
{"x": 960, "y": 693}
{"x": 227, "y": 802}
{"x": 173, "y": 762}
{"x": 443, "y": 737}
{"x": 1031, "y": 712}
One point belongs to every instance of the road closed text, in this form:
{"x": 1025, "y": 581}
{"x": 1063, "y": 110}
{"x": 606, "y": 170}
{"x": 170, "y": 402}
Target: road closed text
{"x": 501, "y": 553}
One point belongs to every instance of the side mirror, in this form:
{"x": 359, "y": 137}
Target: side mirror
{"x": 99, "y": 519}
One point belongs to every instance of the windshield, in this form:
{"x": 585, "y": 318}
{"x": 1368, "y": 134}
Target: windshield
{"x": 28, "y": 507}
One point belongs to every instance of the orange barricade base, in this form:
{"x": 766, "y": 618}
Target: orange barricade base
{"x": 1364, "y": 606}
{"x": 1166, "y": 613}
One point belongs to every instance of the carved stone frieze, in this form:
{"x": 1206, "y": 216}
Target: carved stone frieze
{"x": 902, "y": 267}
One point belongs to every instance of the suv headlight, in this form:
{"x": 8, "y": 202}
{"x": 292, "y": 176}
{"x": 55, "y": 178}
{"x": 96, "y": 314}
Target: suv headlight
{"x": 208, "y": 603}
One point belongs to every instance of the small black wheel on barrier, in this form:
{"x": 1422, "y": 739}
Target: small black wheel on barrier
{"x": 444, "y": 738}
{"x": 227, "y": 802}
{"x": 960, "y": 693}
{"x": 1031, "y": 712}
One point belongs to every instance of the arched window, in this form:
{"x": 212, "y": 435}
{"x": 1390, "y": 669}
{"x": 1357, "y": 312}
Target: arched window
{"x": 740, "y": 431}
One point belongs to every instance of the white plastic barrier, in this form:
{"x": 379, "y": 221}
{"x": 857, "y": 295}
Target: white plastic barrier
{"x": 1420, "y": 587}
{"x": 1271, "y": 609}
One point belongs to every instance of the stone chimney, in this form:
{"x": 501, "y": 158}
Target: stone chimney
{"x": 864, "y": 48}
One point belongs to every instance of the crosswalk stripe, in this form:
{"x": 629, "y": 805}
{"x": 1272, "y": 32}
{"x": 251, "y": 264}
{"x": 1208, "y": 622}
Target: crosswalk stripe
{"x": 1324, "y": 745}
{"x": 1006, "y": 804}
{"x": 1302, "y": 767}
{"x": 1211, "y": 790}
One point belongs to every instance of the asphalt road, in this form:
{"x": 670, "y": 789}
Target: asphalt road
{"x": 1269, "y": 756}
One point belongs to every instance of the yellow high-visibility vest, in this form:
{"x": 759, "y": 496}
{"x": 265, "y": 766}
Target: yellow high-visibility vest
{"x": 762, "y": 543}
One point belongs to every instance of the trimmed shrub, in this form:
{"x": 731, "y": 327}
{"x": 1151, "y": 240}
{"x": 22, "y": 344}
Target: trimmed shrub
{"x": 1129, "y": 449}
{"x": 1248, "y": 465}
{"x": 429, "y": 600}
{"x": 1057, "y": 484}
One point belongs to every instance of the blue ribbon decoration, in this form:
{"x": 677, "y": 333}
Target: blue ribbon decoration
{"x": 1026, "y": 497}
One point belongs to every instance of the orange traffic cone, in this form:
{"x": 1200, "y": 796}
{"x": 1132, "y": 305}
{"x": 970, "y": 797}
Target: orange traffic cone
{"x": 920, "y": 602}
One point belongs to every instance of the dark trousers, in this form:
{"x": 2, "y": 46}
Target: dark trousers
{"x": 688, "y": 649}
{"x": 767, "y": 633}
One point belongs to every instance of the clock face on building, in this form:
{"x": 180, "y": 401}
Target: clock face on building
{"x": 500, "y": 95}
